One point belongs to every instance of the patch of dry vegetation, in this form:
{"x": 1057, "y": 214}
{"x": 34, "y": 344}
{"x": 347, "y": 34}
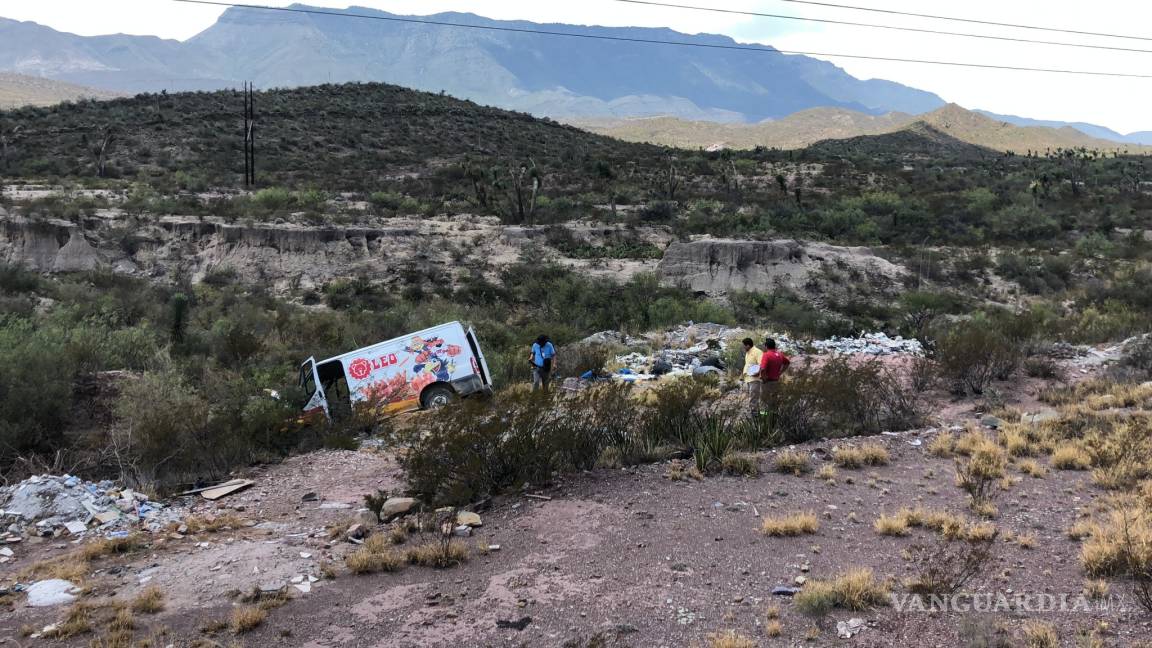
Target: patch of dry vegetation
{"x": 790, "y": 525}
{"x": 793, "y": 462}
{"x": 440, "y": 554}
{"x": 730, "y": 639}
{"x": 868, "y": 454}
{"x": 247, "y": 618}
{"x": 150, "y": 601}
{"x": 375, "y": 555}
{"x": 855, "y": 590}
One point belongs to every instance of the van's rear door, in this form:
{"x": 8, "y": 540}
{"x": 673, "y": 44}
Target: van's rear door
{"x": 474, "y": 344}
{"x": 310, "y": 381}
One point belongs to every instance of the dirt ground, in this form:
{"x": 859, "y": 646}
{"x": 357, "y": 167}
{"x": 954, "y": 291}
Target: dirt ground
{"x": 621, "y": 557}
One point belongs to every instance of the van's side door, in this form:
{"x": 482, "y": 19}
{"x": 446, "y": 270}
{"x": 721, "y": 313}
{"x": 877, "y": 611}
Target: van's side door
{"x": 474, "y": 345}
{"x": 310, "y": 381}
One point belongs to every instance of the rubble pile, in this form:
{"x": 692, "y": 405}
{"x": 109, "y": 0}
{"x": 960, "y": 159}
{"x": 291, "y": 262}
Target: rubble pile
{"x": 869, "y": 344}
{"x": 47, "y": 505}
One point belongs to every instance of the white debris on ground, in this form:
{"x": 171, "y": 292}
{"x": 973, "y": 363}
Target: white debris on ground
{"x": 49, "y": 505}
{"x": 870, "y": 344}
{"x": 700, "y": 348}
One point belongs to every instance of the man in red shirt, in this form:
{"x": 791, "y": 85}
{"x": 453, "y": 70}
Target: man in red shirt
{"x": 772, "y": 365}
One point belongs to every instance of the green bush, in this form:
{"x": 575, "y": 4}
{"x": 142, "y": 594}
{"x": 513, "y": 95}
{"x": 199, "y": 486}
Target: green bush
{"x": 972, "y": 353}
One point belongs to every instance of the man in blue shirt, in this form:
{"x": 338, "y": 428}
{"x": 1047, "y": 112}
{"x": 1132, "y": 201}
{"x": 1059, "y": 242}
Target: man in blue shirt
{"x": 543, "y": 362}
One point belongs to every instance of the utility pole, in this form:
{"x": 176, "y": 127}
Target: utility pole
{"x": 249, "y": 135}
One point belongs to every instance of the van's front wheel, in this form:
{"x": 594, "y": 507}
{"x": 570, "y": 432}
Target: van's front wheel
{"x": 437, "y": 396}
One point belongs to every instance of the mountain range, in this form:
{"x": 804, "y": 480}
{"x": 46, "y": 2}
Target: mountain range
{"x": 546, "y": 75}
{"x": 807, "y": 127}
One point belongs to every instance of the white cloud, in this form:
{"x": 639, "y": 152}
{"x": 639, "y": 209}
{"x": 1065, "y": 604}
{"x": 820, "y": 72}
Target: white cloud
{"x": 1118, "y": 103}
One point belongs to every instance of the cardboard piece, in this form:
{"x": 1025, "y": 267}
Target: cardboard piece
{"x": 226, "y": 489}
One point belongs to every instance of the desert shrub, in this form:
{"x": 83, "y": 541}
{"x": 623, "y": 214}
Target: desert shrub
{"x": 581, "y": 358}
{"x": 173, "y": 432}
{"x": 971, "y": 354}
{"x": 476, "y": 449}
{"x": 946, "y": 566}
{"x": 842, "y": 398}
{"x": 1120, "y": 455}
{"x": 1042, "y": 367}
{"x": 35, "y": 390}
{"x": 977, "y": 475}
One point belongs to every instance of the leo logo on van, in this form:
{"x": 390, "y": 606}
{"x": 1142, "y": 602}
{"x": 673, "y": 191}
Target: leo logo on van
{"x": 361, "y": 368}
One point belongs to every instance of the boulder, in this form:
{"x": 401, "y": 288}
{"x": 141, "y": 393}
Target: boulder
{"x": 396, "y": 506}
{"x": 467, "y": 518}
{"x": 51, "y": 592}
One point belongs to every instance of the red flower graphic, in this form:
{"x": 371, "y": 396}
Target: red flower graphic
{"x": 360, "y": 368}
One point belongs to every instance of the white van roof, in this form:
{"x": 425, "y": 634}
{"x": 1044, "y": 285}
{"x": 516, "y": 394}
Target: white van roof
{"x": 428, "y": 332}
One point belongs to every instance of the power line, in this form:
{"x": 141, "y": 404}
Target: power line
{"x": 973, "y": 21}
{"x": 625, "y": 39}
{"x": 918, "y": 30}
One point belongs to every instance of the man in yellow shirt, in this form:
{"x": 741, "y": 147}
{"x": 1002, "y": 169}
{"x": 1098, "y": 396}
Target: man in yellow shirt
{"x": 752, "y": 383}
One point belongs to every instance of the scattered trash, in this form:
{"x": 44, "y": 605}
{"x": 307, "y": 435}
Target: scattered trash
{"x": 53, "y": 502}
{"x": 539, "y": 497}
{"x": 493, "y": 547}
{"x": 305, "y": 555}
{"x": 462, "y": 531}
{"x": 54, "y": 591}
{"x": 870, "y": 344}
{"x": 218, "y": 491}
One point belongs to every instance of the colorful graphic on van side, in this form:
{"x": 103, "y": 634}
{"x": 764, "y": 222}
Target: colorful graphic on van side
{"x": 432, "y": 359}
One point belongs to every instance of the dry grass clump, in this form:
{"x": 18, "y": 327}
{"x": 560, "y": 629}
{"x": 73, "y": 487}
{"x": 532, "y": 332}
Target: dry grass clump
{"x": 730, "y": 639}
{"x": 1026, "y": 540}
{"x": 740, "y": 463}
{"x": 792, "y": 462}
{"x": 856, "y": 590}
{"x": 1120, "y": 453}
{"x": 891, "y": 525}
{"x": 1018, "y": 441}
{"x": 773, "y": 628}
{"x": 970, "y": 441}
{"x": 1069, "y": 456}
{"x": 150, "y": 601}
{"x": 214, "y": 523}
{"x": 246, "y": 618}
{"x": 1032, "y": 468}
{"x": 869, "y": 454}
{"x": 828, "y": 473}
{"x": 108, "y": 546}
{"x": 978, "y": 474}
{"x": 942, "y": 445}
{"x": 78, "y": 621}
{"x": 441, "y": 554}
{"x": 790, "y": 525}
{"x": 1095, "y": 589}
{"x": 372, "y": 559}
{"x": 1040, "y": 635}
{"x": 1122, "y": 545}
{"x": 1082, "y": 529}
{"x": 680, "y": 471}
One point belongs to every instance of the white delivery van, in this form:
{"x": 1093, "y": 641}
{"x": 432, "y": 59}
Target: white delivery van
{"x": 424, "y": 369}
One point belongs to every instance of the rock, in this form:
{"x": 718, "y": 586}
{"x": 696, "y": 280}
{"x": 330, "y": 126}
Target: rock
{"x": 298, "y": 578}
{"x": 310, "y": 497}
{"x": 462, "y": 531}
{"x": 518, "y": 624}
{"x": 304, "y": 587}
{"x": 271, "y": 587}
{"x": 848, "y": 629}
{"x": 355, "y": 532}
{"x": 800, "y": 580}
{"x": 54, "y": 591}
{"x": 6, "y": 552}
{"x": 1039, "y": 416}
{"x": 305, "y": 555}
{"x": 781, "y": 590}
{"x": 396, "y": 506}
{"x": 467, "y": 518}
{"x": 990, "y": 421}
{"x": 182, "y": 529}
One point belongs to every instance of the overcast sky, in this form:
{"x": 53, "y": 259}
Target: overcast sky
{"x": 1118, "y": 103}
